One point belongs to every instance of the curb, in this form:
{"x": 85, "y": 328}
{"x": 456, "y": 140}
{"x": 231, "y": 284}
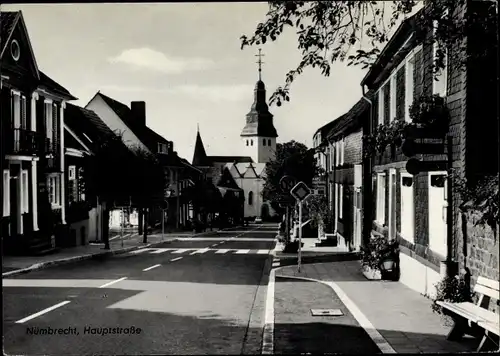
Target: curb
{"x": 63, "y": 261}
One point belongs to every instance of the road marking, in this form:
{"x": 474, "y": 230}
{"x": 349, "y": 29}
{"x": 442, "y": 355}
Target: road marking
{"x": 176, "y": 259}
{"x": 182, "y": 250}
{"x": 262, "y": 252}
{"x": 241, "y": 252}
{"x": 42, "y": 312}
{"x": 268, "y": 336}
{"x": 113, "y": 282}
{"x": 161, "y": 250}
{"x": 222, "y": 251}
{"x": 203, "y": 250}
{"x": 141, "y": 250}
{"x": 150, "y": 268}
{"x": 213, "y": 245}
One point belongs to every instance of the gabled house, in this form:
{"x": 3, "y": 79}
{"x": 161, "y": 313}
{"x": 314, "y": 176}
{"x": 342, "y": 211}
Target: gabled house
{"x": 83, "y": 131}
{"x": 32, "y": 137}
{"x": 348, "y": 174}
{"x": 412, "y": 207}
{"x": 131, "y": 123}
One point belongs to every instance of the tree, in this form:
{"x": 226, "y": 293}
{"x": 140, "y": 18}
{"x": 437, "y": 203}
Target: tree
{"x": 328, "y": 31}
{"x": 291, "y": 158}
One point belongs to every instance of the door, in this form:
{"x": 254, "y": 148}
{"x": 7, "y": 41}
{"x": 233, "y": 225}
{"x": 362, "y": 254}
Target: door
{"x": 392, "y": 204}
{"x": 14, "y": 205}
{"x": 437, "y": 212}
{"x": 357, "y": 219}
{"x": 407, "y": 207}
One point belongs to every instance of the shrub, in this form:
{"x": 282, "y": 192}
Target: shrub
{"x": 452, "y": 290}
{"x": 379, "y": 248}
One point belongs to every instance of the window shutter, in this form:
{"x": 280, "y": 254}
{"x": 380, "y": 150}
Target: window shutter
{"x": 418, "y": 77}
{"x": 24, "y": 124}
{"x": 400, "y": 93}
{"x": 387, "y": 102}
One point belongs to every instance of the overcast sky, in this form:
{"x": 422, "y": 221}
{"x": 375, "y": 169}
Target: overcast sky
{"x": 185, "y": 61}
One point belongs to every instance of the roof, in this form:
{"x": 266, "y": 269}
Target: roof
{"x": 352, "y": 120}
{"x": 200, "y": 158}
{"x": 86, "y": 122}
{"x": 231, "y": 159}
{"x": 259, "y": 121}
{"x": 325, "y": 129}
{"x": 391, "y": 48}
{"x": 8, "y": 22}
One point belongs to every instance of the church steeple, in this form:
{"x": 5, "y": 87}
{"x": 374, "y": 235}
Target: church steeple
{"x": 200, "y": 158}
{"x": 259, "y": 121}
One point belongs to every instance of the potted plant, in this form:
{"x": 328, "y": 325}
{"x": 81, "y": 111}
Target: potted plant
{"x": 380, "y": 259}
{"x": 430, "y": 112}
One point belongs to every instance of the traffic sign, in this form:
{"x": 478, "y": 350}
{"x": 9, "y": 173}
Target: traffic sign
{"x": 300, "y": 191}
{"x": 287, "y": 183}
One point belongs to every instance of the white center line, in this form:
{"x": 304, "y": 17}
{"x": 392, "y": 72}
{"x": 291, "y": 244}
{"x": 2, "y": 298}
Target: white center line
{"x": 203, "y": 250}
{"x": 161, "y": 250}
{"x": 222, "y": 251}
{"x": 113, "y": 282}
{"x": 262, "y": 252}
{"x": 181, "y": 250}
{"x": 176, "y": 259}
{"x": 42, "y": 312}
{"x": 240, "y": 252}
{"x": 149, "y": 268}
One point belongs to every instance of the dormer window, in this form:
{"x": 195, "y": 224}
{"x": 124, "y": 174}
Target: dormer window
{"x": 162, "y": 148}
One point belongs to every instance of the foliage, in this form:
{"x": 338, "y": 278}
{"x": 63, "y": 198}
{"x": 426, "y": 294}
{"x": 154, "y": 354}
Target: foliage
{"x": 430, "y": 111}
{"x": 291, "y": 158}
{"x": 384, "y": 135}
{"x": 319, "y": 211}
{"x": 483, "y": 197}
{"x": 116, "y": 173}
{"x": 453, "y": 290}
{"x": 378, "y": 250}
{"x": 330, "y": 31}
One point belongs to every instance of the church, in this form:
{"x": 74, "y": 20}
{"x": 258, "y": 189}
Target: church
{"x": 245, "y": 174}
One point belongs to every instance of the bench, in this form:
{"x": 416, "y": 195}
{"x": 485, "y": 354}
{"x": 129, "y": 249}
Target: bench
{"x": 469, "y": 316}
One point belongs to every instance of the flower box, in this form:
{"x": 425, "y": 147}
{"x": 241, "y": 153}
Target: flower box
{"x": 371, "y": 274}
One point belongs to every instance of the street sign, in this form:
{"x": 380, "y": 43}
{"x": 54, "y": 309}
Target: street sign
{"x": 415, "y": 166}
{"x": 411, "y": 148}
{"x": 287, "y": 183}
{"x": 300, "y": 191}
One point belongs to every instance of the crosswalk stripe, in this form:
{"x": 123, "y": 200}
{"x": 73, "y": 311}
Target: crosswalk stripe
{"x": 182, "y": 250}
{"x": 203, "y": 250}
{"x": 141, "y": 250}
{"x": 222, "y": 251}
{"x": 161, "y": 250}
{"x": 241, "y": 252}
{"x": 262, "y": 252}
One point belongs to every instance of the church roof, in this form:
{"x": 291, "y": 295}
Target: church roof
{"x": 259, "y": 121}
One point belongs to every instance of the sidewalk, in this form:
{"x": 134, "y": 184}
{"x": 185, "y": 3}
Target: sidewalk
{"x": 395, "y": 318}
{"x": 19, "y": 264}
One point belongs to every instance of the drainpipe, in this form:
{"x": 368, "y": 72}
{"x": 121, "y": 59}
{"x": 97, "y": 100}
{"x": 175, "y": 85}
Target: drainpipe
{"x": 367, "y": 188}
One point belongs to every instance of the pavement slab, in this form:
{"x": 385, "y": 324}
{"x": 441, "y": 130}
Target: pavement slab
{"x": 297, "y": 331}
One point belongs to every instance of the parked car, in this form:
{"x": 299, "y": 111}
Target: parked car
{"x": 258, "y": 220}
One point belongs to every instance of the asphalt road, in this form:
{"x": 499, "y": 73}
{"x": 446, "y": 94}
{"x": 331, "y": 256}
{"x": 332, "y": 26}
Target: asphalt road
{"x": 195, "y": 296}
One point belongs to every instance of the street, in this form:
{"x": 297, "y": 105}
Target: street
{"x": 193, "y": 296}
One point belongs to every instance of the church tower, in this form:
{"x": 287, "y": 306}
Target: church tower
{"x": 259, "y": 134}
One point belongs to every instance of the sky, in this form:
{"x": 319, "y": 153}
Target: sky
{"x": 185, "y": 61}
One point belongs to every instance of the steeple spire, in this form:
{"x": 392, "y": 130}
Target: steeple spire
{"x": 260, "y": 55}
{"x": 200, "y": 158}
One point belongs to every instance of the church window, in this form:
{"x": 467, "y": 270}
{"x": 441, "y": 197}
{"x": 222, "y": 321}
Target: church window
{"x": 264, "y": 141}
{"x": 269, "y": 142}
{"x": 247, "y": 142}
{"x": 251, "y": 142}
{"x": 250, "y": 198}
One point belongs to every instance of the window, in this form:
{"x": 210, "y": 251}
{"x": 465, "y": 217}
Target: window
{"x": 342, "y": 150}
{"x": 16, "y": 109}
{"x": 71, "y": 172}
{"x": 439, "y": 86}
{"x": 54, "y": 186}
{"x": 162, "y": 148}
{"x": 381, "y": 106}
{"x": 15, "y": 50}
{"x": 381, "y": 198}
{"x": 48, "y": 120}
{"x": 337, "y": 153}
{"x": 24, "y": 123}
{"x": 269, "y": 142}
{"x": 251, "y": 142}
{"x": 250, "y": 198}
{"x": 247, "y": 142}
{"x": 409, "y": 85}
{"x": 6, "y": 192}
{"x": 341, "y": 201}
{"x": 264, "y": 142}
{"x": 24, "y": 192}
{"x": 81, "y": 184}
{"x": 332, "y": 156}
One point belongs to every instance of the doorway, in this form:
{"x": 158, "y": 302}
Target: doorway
{"x": 357, "y": 219}
{"x": 392, "y": 204}
{"x": 437, "y": 212}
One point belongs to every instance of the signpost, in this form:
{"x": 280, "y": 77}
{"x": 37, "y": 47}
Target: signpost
{"x": 300, "y": 192}
{"x": 164, "y": 207}
{"x": 286, "y": 184}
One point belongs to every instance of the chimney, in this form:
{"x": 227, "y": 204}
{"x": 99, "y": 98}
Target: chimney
{"x": 138, "y": 109}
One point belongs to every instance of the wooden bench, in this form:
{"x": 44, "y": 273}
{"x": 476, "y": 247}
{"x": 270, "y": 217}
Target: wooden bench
{"x": 469, "y": 316}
